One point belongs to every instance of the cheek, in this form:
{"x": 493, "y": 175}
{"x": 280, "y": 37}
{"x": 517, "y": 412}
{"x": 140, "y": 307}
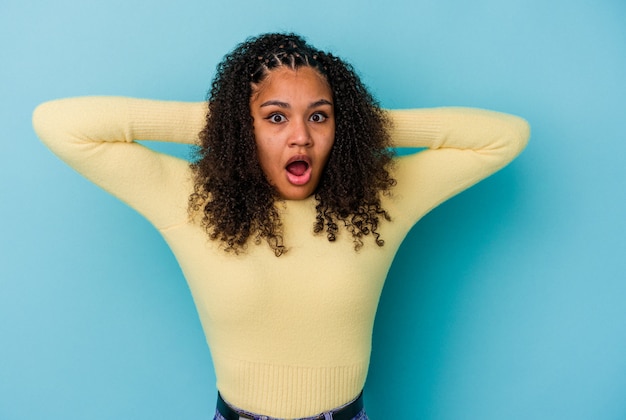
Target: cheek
{"x": 331, "y": 138}
{"x": 268, "y": 158}
{"x": 329, "y": 146}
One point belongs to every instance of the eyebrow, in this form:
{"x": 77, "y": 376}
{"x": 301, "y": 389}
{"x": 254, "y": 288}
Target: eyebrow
{"x": 281, "y": 104}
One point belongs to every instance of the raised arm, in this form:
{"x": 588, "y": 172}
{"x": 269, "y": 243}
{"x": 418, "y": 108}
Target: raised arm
{"x": 96, "y": 136}
{"x": 464, "y": 146}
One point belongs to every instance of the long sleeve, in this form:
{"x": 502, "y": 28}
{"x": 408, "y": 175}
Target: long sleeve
{"x": 96, "y": 136}
{"x": 464, "y": 146}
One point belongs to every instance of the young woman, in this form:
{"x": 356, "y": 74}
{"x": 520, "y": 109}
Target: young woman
{"x": 286, "y": 223}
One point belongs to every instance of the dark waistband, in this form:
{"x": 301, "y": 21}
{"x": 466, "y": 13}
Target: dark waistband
{"x": 344, "y": 413}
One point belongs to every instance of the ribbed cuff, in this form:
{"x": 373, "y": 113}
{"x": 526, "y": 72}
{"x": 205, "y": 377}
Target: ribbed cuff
{"x": 415, "y": 128}
{"x": 179, "y": 122}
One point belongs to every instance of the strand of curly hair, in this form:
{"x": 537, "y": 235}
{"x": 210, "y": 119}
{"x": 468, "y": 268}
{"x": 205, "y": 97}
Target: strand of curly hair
{"x": 231, "y": 190}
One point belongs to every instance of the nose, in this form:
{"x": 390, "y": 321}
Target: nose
{"x": 301, "y": 135}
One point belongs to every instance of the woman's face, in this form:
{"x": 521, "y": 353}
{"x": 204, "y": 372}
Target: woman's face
{"x": 294, "y": 129}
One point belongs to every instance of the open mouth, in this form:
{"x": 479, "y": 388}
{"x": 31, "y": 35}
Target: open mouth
{"x": 299, "y": 170}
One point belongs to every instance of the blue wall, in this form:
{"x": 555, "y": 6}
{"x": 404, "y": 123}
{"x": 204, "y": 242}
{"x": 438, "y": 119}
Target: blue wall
{"x": 504, "y": 303}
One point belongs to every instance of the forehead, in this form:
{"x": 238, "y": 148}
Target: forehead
{"x": 285, "y": 81}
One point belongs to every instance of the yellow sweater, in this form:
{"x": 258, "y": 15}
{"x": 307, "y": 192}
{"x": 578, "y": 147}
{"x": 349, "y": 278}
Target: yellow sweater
{"x": 289, "y": 336}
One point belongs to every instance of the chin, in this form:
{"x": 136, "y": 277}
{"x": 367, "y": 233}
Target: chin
{"x": 296, "y": 193}
{"x": 296, "y": 196}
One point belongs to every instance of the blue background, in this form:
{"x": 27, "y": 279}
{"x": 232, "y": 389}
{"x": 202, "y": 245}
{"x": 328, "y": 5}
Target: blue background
{"x": 506, "y": 302}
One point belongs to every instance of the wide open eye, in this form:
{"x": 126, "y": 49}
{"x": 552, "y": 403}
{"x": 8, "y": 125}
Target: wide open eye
{"x": 318, "y": 117}
{"x": 276, "y": 118}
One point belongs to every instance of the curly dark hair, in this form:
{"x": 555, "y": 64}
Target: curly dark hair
{"x": 236, "y": 199}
